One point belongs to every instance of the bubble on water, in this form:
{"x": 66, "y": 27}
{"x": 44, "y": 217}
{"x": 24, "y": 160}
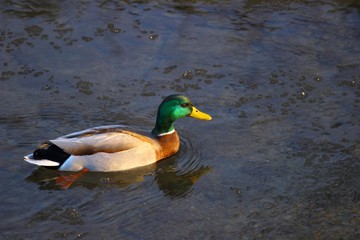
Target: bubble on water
{"x": 6, "y": 75}
{"x": 99, "y": 32}
{"x": 200, "y": 72}
{"x": 187, "y": 75}
{"x": 318, "y": 79}
{"x": 34, "y": 30}
{"x": 86, "y": 39}
{"x": 242, "y": 114}
{"x": 302, "y": 94}
{"x": 46, "y": 87}
{"x": 111, "y": 27}
{"x": 154, "y": 36}
{"x": 84, "y": 87}
{"x": 18, "y": 42}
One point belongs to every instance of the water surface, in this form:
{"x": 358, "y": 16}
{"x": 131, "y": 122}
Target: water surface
{"x": 280, "y": 160}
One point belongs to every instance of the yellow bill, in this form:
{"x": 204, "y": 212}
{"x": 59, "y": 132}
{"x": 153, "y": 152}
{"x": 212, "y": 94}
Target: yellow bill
{"x": 196, "y": 113}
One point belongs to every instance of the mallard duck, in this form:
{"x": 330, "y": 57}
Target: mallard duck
{"x": 111, "y": 148}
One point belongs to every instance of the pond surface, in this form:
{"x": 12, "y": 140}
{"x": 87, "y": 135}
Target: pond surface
{"x": 279, "y": 160}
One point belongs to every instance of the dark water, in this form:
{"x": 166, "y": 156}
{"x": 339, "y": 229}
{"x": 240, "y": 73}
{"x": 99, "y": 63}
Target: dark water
{"x": 280, "y": 160}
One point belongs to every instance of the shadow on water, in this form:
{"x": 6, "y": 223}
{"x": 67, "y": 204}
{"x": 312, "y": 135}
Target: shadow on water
{"x": 170, "y": 181}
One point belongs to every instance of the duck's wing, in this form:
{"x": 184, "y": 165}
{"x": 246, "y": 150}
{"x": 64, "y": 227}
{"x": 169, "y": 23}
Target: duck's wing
{"x": 139, "y": 156}
{"x": 108, "y": 140}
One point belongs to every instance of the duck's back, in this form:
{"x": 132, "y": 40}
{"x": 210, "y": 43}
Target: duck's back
{"x": 107, "y": 148}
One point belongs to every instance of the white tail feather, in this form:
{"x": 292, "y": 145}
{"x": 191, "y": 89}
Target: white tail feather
{"x": 42, "y": 162}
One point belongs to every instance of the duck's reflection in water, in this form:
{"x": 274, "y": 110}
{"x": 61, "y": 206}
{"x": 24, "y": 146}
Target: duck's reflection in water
{"x": 169, "y": 179}
{"x": 177, "y": 183}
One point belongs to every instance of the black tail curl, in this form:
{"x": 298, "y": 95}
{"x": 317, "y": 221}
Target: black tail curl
{"x": 53, "y": 153}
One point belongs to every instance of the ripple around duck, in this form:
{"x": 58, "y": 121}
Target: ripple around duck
{"x": 176, "y": 175}
{"x": 189, "y": 157}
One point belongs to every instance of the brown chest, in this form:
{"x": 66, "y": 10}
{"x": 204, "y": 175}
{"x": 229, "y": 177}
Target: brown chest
{"x": 169, "y": 145}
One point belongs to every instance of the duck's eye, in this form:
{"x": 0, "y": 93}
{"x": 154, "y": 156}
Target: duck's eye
{"x": 184, "y": 105}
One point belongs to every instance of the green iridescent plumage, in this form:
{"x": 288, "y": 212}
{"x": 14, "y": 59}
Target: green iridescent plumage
{"x": 171, "y": 109}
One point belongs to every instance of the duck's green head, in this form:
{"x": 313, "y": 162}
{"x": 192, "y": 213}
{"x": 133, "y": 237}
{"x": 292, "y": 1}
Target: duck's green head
{"x": 173, "y": 108}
